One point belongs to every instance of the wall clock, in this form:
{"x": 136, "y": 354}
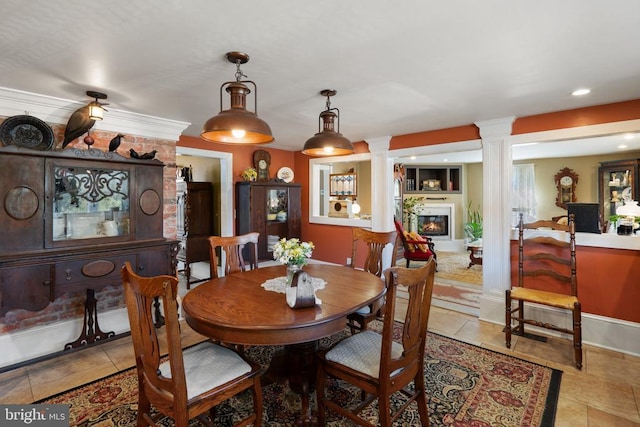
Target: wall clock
{"x": 262, "y": 161}
{"x": 566, "y": 181}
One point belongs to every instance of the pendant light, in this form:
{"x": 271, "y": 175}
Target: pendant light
{"x": 328, "y": 142}
{"x": 237, "y": 125}
{"x": 96, "y": 109}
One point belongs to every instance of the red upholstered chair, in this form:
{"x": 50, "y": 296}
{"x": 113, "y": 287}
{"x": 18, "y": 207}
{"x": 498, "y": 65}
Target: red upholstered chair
{"x": 414, "y": 249}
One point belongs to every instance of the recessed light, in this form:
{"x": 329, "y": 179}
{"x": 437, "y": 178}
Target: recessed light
{"x": 622, "y": 146}
{"x": 629, "y": 136}
{"x": 580, "y": 92}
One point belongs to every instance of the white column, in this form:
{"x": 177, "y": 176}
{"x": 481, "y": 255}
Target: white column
{"x": 381, "y": 189}
{"x": 496, "y": 207}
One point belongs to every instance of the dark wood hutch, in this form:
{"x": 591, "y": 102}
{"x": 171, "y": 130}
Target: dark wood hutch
{"x": 69, "y": 221}
{"x": 270, "y": 208}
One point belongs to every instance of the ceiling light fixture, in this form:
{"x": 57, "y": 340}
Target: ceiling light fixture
{"x": 328, "y": 142}
{"x": 580, "y": 92}
{"x": 237, "y": 125}
{"x": 96, "y": 108}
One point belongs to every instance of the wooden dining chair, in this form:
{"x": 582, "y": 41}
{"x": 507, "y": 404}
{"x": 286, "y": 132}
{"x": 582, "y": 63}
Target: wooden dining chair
{"x": 188, "y": 383}
{"x": 378, "y": 365}
{"x": 375, "y": 243}
{"x": 235, "y": 249}
{"x": 545, "y": 259}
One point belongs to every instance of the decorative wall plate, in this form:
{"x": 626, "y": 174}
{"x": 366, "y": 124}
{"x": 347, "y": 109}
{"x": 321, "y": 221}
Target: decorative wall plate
{"x": 285, "y": 174}
{"x": 27, "y": 131}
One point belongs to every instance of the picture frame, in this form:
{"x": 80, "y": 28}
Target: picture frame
{"x": 431, "y": 185}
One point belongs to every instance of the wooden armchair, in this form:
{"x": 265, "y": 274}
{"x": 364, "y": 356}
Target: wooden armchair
{"x": 188, "y": 383}
{"x": 376, "y": 242}
{"x": 377, "y": 364}
{"x": 234, "y": 250}
{"x": 550, "y": 261}
{"x": 414, "y": 249}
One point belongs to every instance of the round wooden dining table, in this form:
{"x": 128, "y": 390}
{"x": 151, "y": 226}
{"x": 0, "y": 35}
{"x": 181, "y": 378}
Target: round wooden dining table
{"x": 236, "y": 309}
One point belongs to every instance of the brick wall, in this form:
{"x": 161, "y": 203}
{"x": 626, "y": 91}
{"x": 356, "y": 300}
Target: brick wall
{"x": 71, "y": 305}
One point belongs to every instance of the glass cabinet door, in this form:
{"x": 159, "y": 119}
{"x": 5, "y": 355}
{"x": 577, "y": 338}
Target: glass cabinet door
{"x": 617, "y": 186}
{"x": 277, "y": 204}
{"x": 89, "y": 203}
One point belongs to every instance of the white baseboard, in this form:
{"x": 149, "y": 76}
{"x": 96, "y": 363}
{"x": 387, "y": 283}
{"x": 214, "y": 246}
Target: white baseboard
{"x": 598, "y": 331}
{"x": 39, "y": 341}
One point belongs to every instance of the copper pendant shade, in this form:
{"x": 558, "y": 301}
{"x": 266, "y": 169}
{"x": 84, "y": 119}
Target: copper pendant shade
{"x": 328, "y": 142}
{"x": 237, "y": 125}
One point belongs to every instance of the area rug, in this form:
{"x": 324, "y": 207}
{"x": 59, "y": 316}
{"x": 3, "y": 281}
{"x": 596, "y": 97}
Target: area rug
{"x": 454, "y": 266}
{"x": 456, "y": 287}
{"x": 466, "y": 386}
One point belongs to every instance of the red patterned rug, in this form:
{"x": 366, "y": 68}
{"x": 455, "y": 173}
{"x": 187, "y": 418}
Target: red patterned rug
{"x": 466, "y": 385}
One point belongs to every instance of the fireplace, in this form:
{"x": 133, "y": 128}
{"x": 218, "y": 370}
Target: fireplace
{"x": 435, "y": 221}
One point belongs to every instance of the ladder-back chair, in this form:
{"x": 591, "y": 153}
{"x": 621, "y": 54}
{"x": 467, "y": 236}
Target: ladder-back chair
{"x": 546, "y": 256}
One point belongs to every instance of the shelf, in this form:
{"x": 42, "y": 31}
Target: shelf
{"x": 431, "y": 179}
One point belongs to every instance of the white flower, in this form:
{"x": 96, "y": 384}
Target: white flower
{"x": 292, "y": 251}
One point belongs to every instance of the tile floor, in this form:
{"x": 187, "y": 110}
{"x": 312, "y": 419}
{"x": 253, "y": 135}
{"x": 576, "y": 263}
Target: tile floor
{"x": 605, "y": 393}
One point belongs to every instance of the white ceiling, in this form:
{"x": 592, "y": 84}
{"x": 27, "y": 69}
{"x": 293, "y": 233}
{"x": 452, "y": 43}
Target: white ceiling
{"x": 399, "y": 67}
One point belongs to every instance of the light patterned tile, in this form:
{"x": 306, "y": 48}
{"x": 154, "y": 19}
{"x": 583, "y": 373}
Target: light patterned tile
{"x": 614, "y": 368}
{"x": 613, "y": 398}
{"x": 15, "y": 387}
{"x": 571, "y": 413}
{"x": 598, "y": 418}
{"x": 77, "y": 368}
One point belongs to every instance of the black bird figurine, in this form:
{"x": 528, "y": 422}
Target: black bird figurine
{"x": 146, "y": 156}
{"x": 79, "y": 123}
{"x": 115, "y": 142}
{"x": 149, "y": 156}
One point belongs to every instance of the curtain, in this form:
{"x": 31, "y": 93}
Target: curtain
{"x": 523, "y": 194}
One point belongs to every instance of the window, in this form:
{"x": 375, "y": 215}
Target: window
{"x": 523, "y": 194}
{"x": 321, "y": 169}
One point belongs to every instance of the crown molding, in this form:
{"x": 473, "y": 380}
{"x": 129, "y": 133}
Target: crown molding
{"x": 57, "y": 110}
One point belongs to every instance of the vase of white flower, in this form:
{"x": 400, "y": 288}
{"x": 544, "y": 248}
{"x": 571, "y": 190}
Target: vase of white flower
{"x": 293, "y": 253}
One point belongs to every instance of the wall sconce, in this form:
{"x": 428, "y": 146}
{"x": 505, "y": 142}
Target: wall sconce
{"x": 328, "y": 142}
{"x": 237, "y": 125}
{"x": 96, "y": 109}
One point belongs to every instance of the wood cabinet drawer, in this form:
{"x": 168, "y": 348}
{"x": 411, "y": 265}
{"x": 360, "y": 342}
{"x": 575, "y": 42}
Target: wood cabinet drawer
{"x": 91, "y": 270}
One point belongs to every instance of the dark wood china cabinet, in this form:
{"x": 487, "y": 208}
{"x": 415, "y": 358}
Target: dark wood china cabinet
{"x": 194, "y": 223}
{"x": 273, "y": 209}
{"x": 69, "y": 221}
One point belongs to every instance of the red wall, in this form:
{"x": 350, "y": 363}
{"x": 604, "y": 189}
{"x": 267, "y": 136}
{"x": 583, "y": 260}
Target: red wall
{"x": 607, "y": 281}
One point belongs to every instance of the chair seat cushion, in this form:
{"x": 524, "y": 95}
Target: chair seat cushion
{"x": 419, "y": 256}
{"x": 361, "y": 352}
{"x": 364, "y": 310}
{"x": 543, "y": 297}
{"x": 207, "y": 366}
